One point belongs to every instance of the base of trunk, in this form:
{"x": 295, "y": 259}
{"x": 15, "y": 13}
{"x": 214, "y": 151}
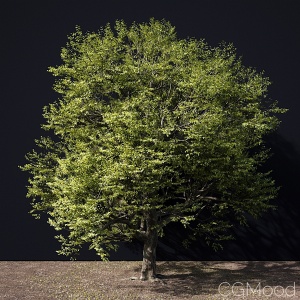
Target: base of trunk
{"x": 149, "y": 252}
{"x": 148, "y": 273}
{"x": 149, "y": 265}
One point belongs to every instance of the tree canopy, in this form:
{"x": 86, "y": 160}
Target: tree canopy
{"x": 150, "y": 129}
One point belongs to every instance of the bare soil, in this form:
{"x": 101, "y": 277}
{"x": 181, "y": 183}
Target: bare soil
{"x": 179, "y": 280}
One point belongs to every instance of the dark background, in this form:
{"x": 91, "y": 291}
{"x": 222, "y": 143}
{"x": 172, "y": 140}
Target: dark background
{"x": 265, "y": 32}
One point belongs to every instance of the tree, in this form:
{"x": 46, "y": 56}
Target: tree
{"x": 150, "y": 129}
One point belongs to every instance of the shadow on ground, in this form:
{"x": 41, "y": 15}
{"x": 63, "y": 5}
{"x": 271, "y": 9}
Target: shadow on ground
{"x": 190, "y": 279}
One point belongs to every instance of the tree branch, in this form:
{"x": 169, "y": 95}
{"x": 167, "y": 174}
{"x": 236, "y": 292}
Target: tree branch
{"x": 117, "y": 221}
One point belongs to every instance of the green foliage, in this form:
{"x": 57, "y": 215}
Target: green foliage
{"x": 149, "y": 122}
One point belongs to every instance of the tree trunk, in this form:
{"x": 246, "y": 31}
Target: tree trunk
{"x": 149, "y": 251}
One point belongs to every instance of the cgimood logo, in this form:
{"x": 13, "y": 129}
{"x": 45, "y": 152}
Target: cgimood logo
{"x": 240, "y": 289}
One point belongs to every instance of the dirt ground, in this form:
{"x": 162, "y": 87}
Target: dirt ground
{"x": 179, "y": 280}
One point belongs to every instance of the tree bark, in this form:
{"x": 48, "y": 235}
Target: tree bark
{"x": 150, "y": 244}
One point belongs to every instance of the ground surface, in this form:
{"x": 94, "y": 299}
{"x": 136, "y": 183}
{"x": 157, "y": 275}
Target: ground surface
{"x": 180, "y": 280}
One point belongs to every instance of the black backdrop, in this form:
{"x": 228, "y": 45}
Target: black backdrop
{"x": 267, "y": 35}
